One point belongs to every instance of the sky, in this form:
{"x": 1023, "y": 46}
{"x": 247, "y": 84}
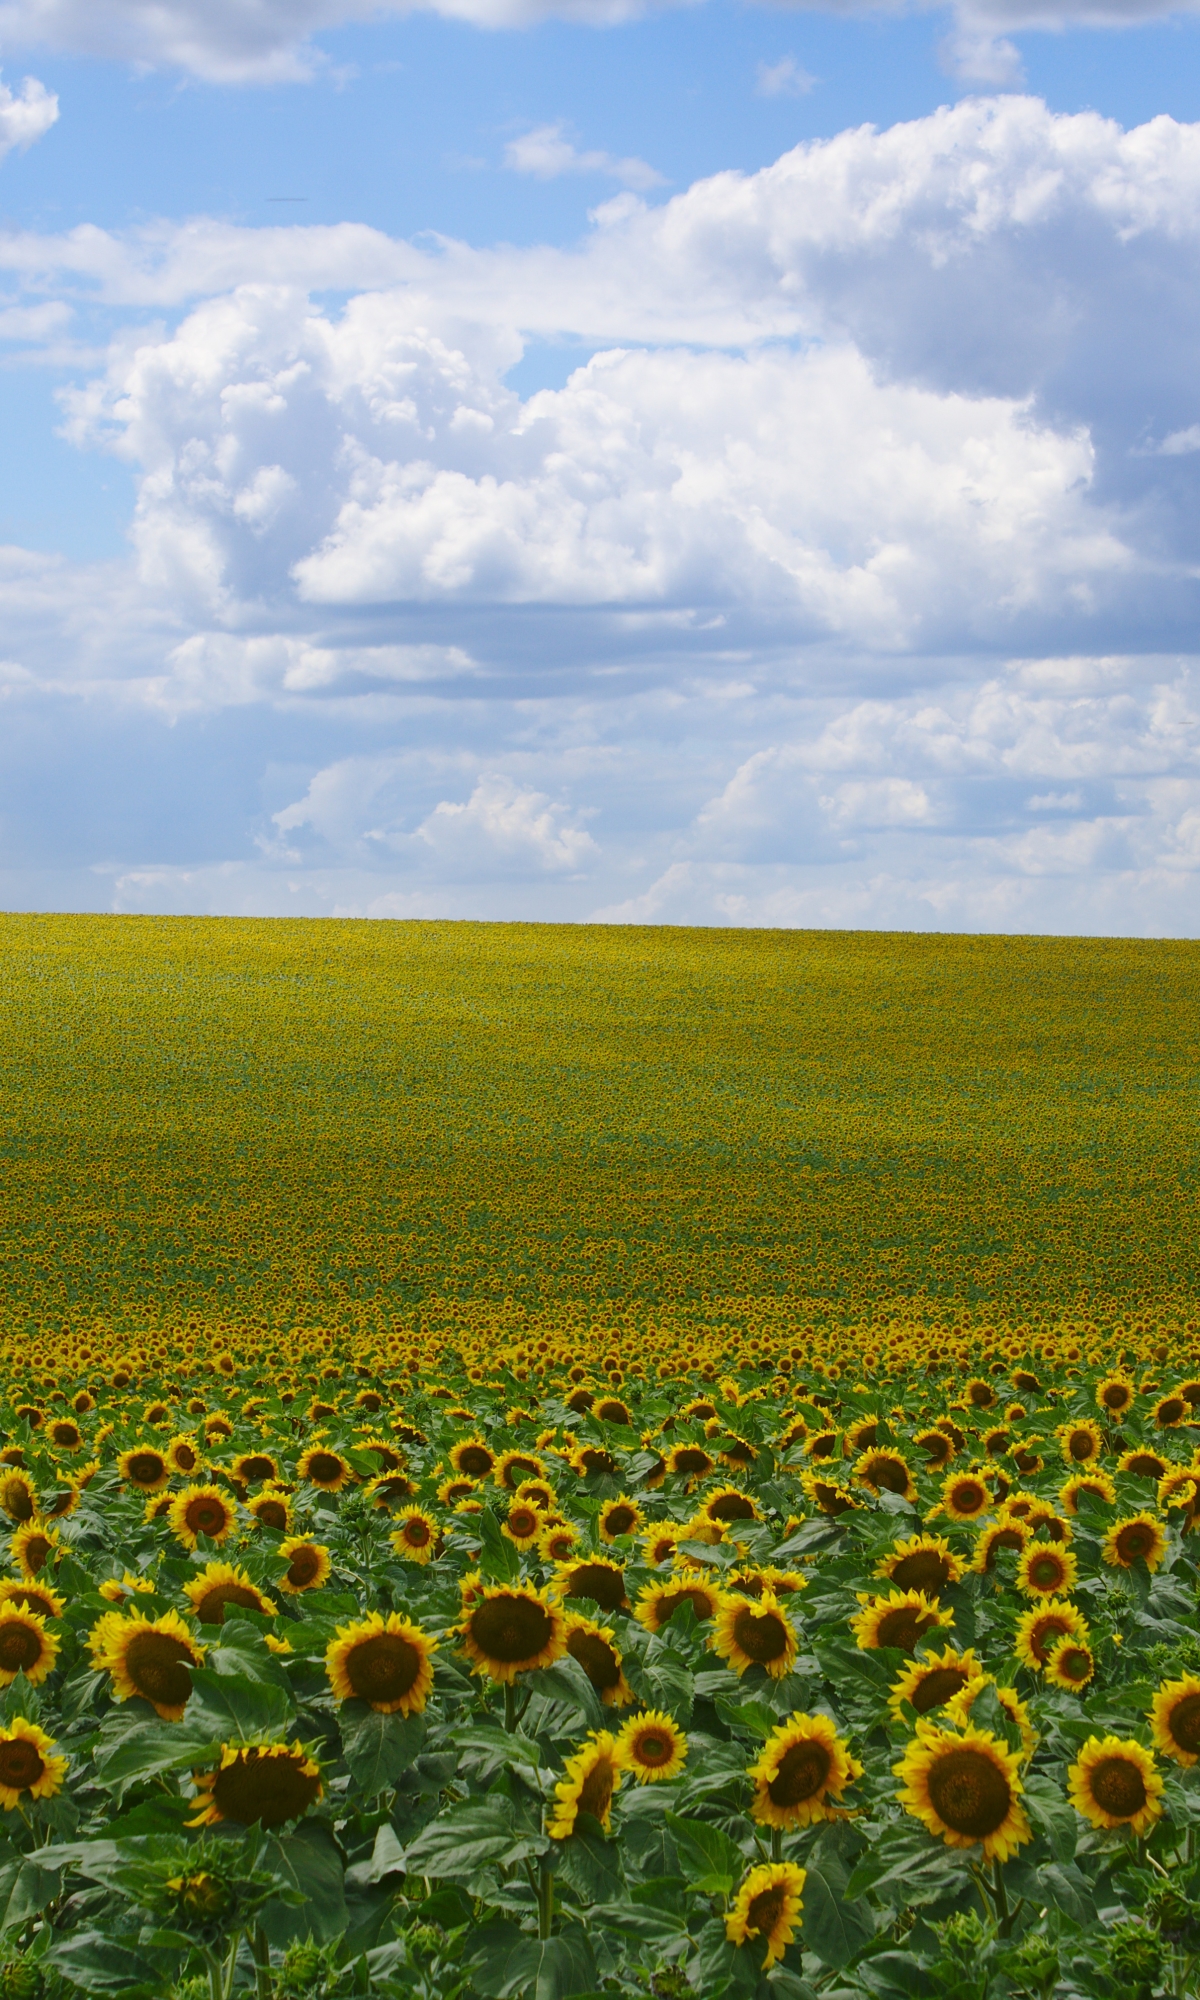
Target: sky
{"x": 599, "y": 460}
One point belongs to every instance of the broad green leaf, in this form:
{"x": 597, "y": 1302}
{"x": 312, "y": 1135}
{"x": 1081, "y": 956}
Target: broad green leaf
{"x": 236, "y": 1709}
{"x": 553, "y": 1968}
{"x": 466, "y": 1838}
{"x": 103, "y": 1965}
{"x": 566, "y": 1681}
{"x": 378, "y": 1747}
{"x": 711, "y": 1860}
{"x": 835, "y": 1926}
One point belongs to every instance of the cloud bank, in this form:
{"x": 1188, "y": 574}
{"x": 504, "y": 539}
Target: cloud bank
{"x": 850, "y": 576}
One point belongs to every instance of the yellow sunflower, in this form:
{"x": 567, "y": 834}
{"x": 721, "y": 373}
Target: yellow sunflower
{"x": 252, "y": 1468}
{"x": 885, "y": 1472}
{"x": 1138, "y": 1538}
{"x": 308, "y": 1564}
{"x": 658, "y": 1602}
{"x": 592, "y": 1577}
{"x": 1071, "y": 1665}
{"x": 451, "y": 1491}
{"x": 827, "y": 1494}
{"x": 258, "y": 1784}
{"x": 1006, "y": 1533}
{"x": 1169, "y": 1411}
{"x": 25, "y": 1646}
{"x": 1115, "y": 1396}
{"x": 1143, "y": 1464}
{"x": 523, "y": 1524}
{"x": 619, "y": 1517}
{"x": 1038, "y": 1630}
{"x": 201, "y": 1510}
{"x": 220, "y": 1586}
{"x": 650, "y": 1746}
{"x": 33, "y": 1546}
{"x": 931, "y": 1682}
{"x": 965, "y": 1786}
{"x": 1097, "y": 1482}
{"x": 27, "y": 1768}
{"x": 145, "y": 1468}
{"x": 938, "y": 1447}
{"x": 727, "y": 1504}
{"x": 767, "y": 1909}
{"x": 1046, "y": 1570}
{"x": 327, "y": 1470}
{"x": 1080, "y": 1443}
{"x": 184, "y": 1456}
{"x": 958, "y": 1709}
{"x": 589, "y": 1780}
{"x": 1175, "y": 1719}
{"x": 750, "y": 1633}
{"x": 384, "y": 1660}
{"x": 900, "y": 1619}
{"x": 415, "y": 1536}
{"x": 965, "y": 1497}
{"x": 18, "y": 1496}
{"x": 556, "y": 1541}
{"x": 595, "y": 1648}
{"x": 920, "y": 1562}
{"x": 271, "y": 1508}
{"x": 473, "y": 1457}
{"x": 150, "y": 1657}
{"x": 513, "y": 1467}
{"x": 511, "y": 1629}
{"x": 119, "y": 1589}
{"x": 1114, "y": 1783}
{"x": 33, "y": 1596}
{"x": 803, "y": 1765}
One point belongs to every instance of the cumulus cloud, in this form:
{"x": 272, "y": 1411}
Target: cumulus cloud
{"x": 26, "y": 117}
{"x": 547, "y": 153}
{"x": 785, "y": 78}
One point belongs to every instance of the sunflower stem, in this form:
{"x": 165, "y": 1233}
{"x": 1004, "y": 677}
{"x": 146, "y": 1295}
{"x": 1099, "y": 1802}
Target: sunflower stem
{"x": 216, "y": 1978}
{"x": 546, "y": 1904}
{"x": 510, "y": 1707}
{"x": 262, "y": 1963}
{"x": 998, "y": 1890}
{"x": 777, "y": 1843}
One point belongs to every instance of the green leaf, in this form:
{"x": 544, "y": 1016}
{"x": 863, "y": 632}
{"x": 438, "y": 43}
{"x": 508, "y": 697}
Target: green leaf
{"x": 237, "y": 1709}
{"x": 151, "y": 1747}
{"x": 102, "y": 1965}
{"x": 498, "y": 1557}
{"x": 590, "y": 1862}
{"x": 638, "y": 1920}
{"x": 710, "y": 1858}
{"x": 467, "y": 1838}
{"x": 720, "y": 1967}
{"x": 378, "y": 1747}
{"x": 1052, "y": 1815}
{"x": 25, "y": 1890}
{"x": 835, "y": 1927}
{"x": 566, "y": 1681}
{"x": 311, "y": 1862}
{"x": 540, "y": 1968}
{"x": 244, "y": 1652}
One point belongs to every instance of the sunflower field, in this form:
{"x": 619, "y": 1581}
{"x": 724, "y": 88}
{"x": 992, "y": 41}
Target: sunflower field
{"x": 540, "y": 1465}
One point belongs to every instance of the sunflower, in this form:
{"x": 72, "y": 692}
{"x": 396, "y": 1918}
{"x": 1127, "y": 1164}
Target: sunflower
{"x": 1046, "y": 1570}
{"x": 384, "y": 1660}
{"x": 938, "y": 1447}
{"x": 595, "y": 1648}
{"x": 827, "y": 1494}
{"x": 1169, "y": 1411}
{"x": 150, "y": 1657}
{"x": 271, "y": 1508}
{"x": 921, "y": 1562}
{"x": 1080, "y": 1443}
{"x": 387, "y": 1489}
{"x": 513, "y": 1467}
{"x": 1038, "y": 1630}
{"x": 145, "y": 1468}
{"x": 472, "y": 1457}
{"x": 592, "y": 1577}
{"x": 900, "y": 1619}
{"x": 1045, "y": 1525}
{"x": 416, "y": 1535}
{"x": 18, "y": 1496}
{"x": 690, "y": 1462}
{"x": 821, "y": 1444}
{"x": 184, "y": 1456}
{"x": 965, "y": 1787}
{"x": 220, "y": 1585}
{"x": 768, "y": 1906}
{"x": 252, "y": 1468}
{"x": 451, "y": 1491}
{"x": 1005, "y": 1533}
{"x": 658, "y": 1602}
{"x": 965, "y": 1497}
{"x": 26, "y": 1765}
{"x": 958, "y": 1709}
{"x": 803, "y": 1764}
{"x": 749, "y": 1633}
{"x": 33, "y": 1596}
{"x": 1071, "y": 1665}
{"x": 933, "y": 1681}
{"x": 1115, "y": 1396}
{"x": 589, "y": 1780}
{"x": 65, "y": 1435}
{"x": 538, "y": 1493}
{"x": 201, "y": 1510}
{"x": 556, "y": 1539}
{"x": 593, "y": 1458}
{"x": 979, "y": 1395}
{"x": 25, "y": 1646}
{"x": 32, "y": 1547}
{"x": 259, "y": 1784}
{"x": 1175, "y": 1719}
{"x": 726, "y": 1504}
{"x": 327, "y": 1470}
{"x": 119, "y": 1589}
{"x": 1138, "y": 1538}
{"x": 510, "y": 1629}
{"x": 1180, "y": 1488}
{"x": 650, "y": 1746}
{"x": 1113, "y": 1782}
{"x": 885, "y": 1472}
{"x": 308, "y": 1564}
{"x": 523, "y": 1525}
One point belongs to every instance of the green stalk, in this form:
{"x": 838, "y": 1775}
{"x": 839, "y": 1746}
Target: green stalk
{"x": 216, "y": 1981}
{"x": 262, "y": 1961}
{"x": 1002, "y": 1911}
{"x": 777, "y": 1843}
{"x": 510, "y": 1707}
{"x": 546, "y": 1903}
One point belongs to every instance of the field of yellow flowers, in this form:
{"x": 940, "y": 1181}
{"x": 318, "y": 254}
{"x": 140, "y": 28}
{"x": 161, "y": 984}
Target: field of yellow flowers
{"x": 538, "y": 1464}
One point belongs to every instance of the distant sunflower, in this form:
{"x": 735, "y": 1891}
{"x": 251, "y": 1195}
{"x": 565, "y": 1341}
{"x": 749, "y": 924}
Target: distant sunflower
{"x": 387, "y": 1489}
{"x": 556, "y": 1541}
{"x": 27, "y": 1767}
{"x": 451, "y": 1491}
{"x": 965, "y": 1787}
{"x": 122, "y": 1589}
{"x": 145, "y": 1468}
{"x": 65, "y": 1435}
{"x": 1170, "y": 1411}
{"x": 1115, "y": 1395}
{"x": 150, "y": 1657}
{"x": 651, "y": 1746}
{"x": 900, "y": 1619}
{"x": 25, "y": 1646}
{"x": 592, "y": 1577}
{"x": 958, "y": 1709}
{"x": 260, "y": 1784}
{"x": 965, "y": 1497}
{"x": 1175, "y": 1719}
{"x": 658, "y": 1602}
{"x": 594, "y": 1646}
{"x": 1096, "y": 1481}
{"x": 184, "y": 1456}
{"x": 886, "y": 1472}
{"x": 327, "y": 1470}
{"x": 1138, "y": 1538}
{"x": 220, "y": 1586}
{"x": 384, "y": 1660}
{"x": 513, "y": 1467}
{"x": 271, "y": 1508}
{"x": 729, "y": 1503}
{"x": 511, "y": 1629}
{"x": 18, "y": 1496}
{"x": 938, "y": 1447}
{"x": 803, "y": 1765}
{"x": 1180, "y": 1488}
{"x": 589, "y": 1459}
{"x": 201, "y": 1510}
{"x": 589, "y": 1780}
{"x": 33, "y": 1546}
{"x": 1071, "y": 1665}
{"x": 251, "y": 1468}
{"x": 33, "y": 1595}
{"x": 827, "y": 1494}
{"x": 767, "y": 1909}
{"x": 931, "y": 1682}
{"x": 754, "y": 1634}
{"x": 1114, "y": 1782}
{"x": 415, "y": 1536}
{"x": 1039, "y": 1629}
{"x": 308, "y": 1564}
{"x": 979, "y": 1395}
{"x": 921, "y": 1562}
{"x": 1046, "y": 1570}
{"x": 1080, "y": 1443}
{"x": 1003, "y": 1534}
{"x": 473, "y": 1457}
{"x": 690, "y": 1462}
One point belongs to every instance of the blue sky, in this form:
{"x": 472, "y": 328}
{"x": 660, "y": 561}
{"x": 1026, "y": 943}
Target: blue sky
{"x": 720, "y": 464}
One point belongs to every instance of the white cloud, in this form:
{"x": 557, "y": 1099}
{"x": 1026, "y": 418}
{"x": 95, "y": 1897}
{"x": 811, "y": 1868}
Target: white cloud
{"x": 547, "y": 153}
{"x": 785, "y": 78}
{"x": 974, "y": 53}
{"x": 26, "y": 117}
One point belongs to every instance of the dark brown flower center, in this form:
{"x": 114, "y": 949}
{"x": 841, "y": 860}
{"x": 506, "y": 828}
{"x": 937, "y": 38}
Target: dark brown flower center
{"x": 416, "y": 1532}
{"x": 1183, "y": 1722}
{"x": 272, "y": 1514}
{"x": 1073, "y": 1663}
{"x": 1046, "y": 1572}
{"x": 653, "y": 1749}
{"x": 1146, "y": 1465}
{"x": 766, "y": 1909}
{"x": 383, "y": 1667}
{"x": 596, "y": 1794}
{"x": 21, "y": 1764}
{"x": 1118, "y": 1786}
{"x": 969, "y": 1792}
{"x": 35, "y": 1552}
{"x": 33, "y": 1600}
{"x": 620, "y": 1520}
{"x": 1042, "y": 1637}
{"x": 1081, "y": 1445}
{"x": 762, "y": 1636}
{"x": 206, "y": 1516}
{"x": 889, "y": 1473}
{"x": 510, "y": 1629}
{"x": 475, "y": 1460}
{"x": 690, "y": 1459}
{"x": 597, "y": 1581}
{"x": 1171, "y": 1410}
{"x": 697, "y": 1597}
{"x": 1134, "y": 1541}
{"x": 902, "y": 1627}
{"x": 211, "y": 1608}
{"x": 325, "y": 1468}
{"x": 519, "y": 1469}
{"x": 969, "y": 1496}
{"x": 146, "y": 1468}
{"x": 257, "y": 1466}
{"x": 21, "y": 1646}
{"x": 1115, "y": 1397}
{"x": 594, "y": 1458}
{"x": 924, "y": 1569}
{"x": 18, "y": 1501}
{"x": 597, "y": 1658}
{"x": 936, "y": 1687}
{"x": 522, "y": 1521}
{"x": 158, "y": 1665}
{"x": 185, "y": 1458}
{"x": 259, "y": 1790}
{"x": 803, "y": 1770}
{"x": 305, "y": 1565}
{"x": 731, "y": 1507}
{"x": 1003, "y": 1538}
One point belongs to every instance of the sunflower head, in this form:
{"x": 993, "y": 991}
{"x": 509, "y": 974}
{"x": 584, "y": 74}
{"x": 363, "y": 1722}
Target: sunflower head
{"x": 510, "y": 1629}
{"x": 1138, "y": 1538}
{"x": 415, "y": 1536}
{"x": 33, "y": 1546}
{"x": 959, "y": 1707}
{"x": 900, "y": 1619}
{"x": 804, "y": 1766}
{"x": 1096, "y": 1482}
{"x": 384, "y": 1660}
{"x": 965, "y": 1496}
{"x": 1040, "y": 1629}
{"x": 219, "y": 1586}
{"x": 932, "y": 1681}
{"x": 308, "y": 1564}
{"x": 201, "y": 1510}
{"x": 651, "y": 1746}
{"x": 556, "y": 1541}
{"x": 1046, "y": 1569}
{"x": 1080, "y": 1443}
{"x": 595, "y": 1648}
{"x": 28, "y": 1767}
{"x": 327, "y": 1470}
{"x": 1175, "y": 1719}
{"x": 592, "y": 1577}
{"x": 1070, "y": 1665}
{"x": 1115, "y": 1396}
{"x": 145, "y": 1468}
{"x": 472, "y": 1457}
{"x": 26, "y": 1647}
{"x": 886, "y": 1472}
{"x": 920, "y": 1562}
{"x": 590, "y": 1778}
{"x": 258, "y": 1784}
{"x": 150, "y": 1657}
{"x": 658, "y": 1602}
{"x": 523, "y": 1525}
{"x": 1114, "y": 1782}
{"x": 272, "y": 1508}
{"x": 1006, "y": 1533}
{"x": 965, "y": 1786}
{"x": 767, "y": 1908}
{"x": 750, "y": 1632}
